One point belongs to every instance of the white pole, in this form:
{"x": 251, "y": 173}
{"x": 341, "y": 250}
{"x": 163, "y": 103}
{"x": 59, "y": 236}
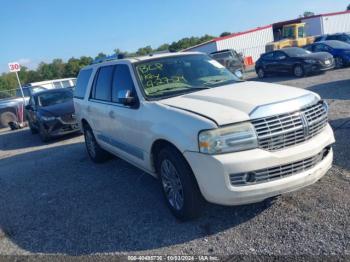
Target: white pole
{"x": 24, "y": 100}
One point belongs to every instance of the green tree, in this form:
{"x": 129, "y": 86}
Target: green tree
{"x": 144, "y": 50}
{"x": 348, "y": 8}
{"x": 100, "y": 56}
{"x": 308, "y": 13}
{"x": 224, "y": 34}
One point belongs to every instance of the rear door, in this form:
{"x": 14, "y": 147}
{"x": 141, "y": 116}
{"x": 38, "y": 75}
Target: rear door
{"x": 100, "y": 98}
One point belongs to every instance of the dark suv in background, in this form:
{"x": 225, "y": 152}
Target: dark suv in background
{"x": 344, "y": 37}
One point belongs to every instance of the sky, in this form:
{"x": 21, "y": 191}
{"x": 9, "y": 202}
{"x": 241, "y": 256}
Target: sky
{"x": 41, "y": 30}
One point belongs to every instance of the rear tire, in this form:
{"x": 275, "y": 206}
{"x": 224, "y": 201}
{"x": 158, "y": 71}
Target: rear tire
{"x": 261, "y": 73}
{"x": 6, "y": 118}
{"x": 298, "y": 71}
{"x": 95, "y": 152}
{"x": 179, "y": 186}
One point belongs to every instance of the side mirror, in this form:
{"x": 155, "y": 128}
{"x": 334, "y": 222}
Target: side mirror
{"x": 28, "y": 107}
{"x": 125, "y": 97}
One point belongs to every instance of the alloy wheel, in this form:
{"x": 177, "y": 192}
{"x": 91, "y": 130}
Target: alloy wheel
{"x": 90, "y": 143}
{"x": 172, "y": 184}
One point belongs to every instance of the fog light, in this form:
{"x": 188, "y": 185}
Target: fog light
{"x": 249, "y": 177}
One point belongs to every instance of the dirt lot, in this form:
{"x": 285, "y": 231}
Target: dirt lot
{"x": 53, "y": 199}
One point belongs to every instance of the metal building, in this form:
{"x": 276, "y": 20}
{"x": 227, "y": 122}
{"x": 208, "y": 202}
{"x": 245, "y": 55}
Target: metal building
{"x": 327, "y": 23}
{"x": 250, "y": 43}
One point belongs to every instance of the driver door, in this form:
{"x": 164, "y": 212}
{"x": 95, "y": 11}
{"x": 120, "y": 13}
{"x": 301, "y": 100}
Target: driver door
{"x": 280, "y": 62}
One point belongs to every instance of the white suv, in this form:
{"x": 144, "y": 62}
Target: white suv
{"x": 186, "y": 119}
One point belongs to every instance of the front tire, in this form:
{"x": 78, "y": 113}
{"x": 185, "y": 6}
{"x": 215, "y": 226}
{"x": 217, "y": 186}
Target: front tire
{"x": 44, "y": 135}
{"x": 339, "y": 62}
{"x": 179, "y": 185}
{"x": 298, "y": 71}
{"x": 33, "y": 129}
{"x": 95, "y": 152}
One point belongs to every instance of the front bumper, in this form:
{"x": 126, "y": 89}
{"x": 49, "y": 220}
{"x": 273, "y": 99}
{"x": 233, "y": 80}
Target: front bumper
{"x": 316, "y": 68}
{"x": 213, "y": 171}
{"x": 59, "y": 127}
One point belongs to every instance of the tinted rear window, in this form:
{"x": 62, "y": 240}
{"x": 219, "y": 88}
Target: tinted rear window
{"x": 82, "y": 82}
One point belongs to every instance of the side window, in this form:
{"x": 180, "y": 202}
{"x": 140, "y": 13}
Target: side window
{"x": 121, "y": 81}
{"x": 66, "y": 83}
{"x": 82, "y": 82}
{"x": 57, "y": 84}
{"x": 268, "y": 56}
{"x": 333, "y": 37}
{"x": 279, "y": 56}
{"x": 319, "y": 48}
{"x": 102, "y": 87}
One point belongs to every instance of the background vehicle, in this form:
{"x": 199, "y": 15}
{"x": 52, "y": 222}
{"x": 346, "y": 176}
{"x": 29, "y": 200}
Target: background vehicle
{"x": 55, "y": 83}
{"x": 10, "y": 106}
{"x": 293, "y": 35}
{"x": 51, "y": 113}
{"x": 344, "y": 37}
{"x": 293, "y": 60}
{"x": 183, "y": 117}
{"x": 231, "y": 60}
{"x": 339, "y": 50}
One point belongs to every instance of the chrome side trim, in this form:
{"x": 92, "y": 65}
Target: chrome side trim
{"x": 282, "y": 107}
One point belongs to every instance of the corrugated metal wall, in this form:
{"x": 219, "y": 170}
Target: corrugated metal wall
{"x": 205, "y": 48}
{"x": 336, "y": 23}
{"x": 250, "y": 44}
{"x": 313, "y": 26}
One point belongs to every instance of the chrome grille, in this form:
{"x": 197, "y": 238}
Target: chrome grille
{"x": 281, "y": 131}
{"x": 277, "y": 172}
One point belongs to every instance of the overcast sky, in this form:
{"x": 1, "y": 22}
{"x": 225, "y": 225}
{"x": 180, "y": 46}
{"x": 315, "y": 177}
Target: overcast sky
{"x": 40, "y": 30}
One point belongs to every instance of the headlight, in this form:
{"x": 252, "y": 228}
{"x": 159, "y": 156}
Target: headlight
{"x": 310, "y": 61}
{"x": 232, "y": 138}
{"x": 48, "y": 118}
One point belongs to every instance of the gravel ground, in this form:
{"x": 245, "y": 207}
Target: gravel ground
{"x": 55, "y": 201}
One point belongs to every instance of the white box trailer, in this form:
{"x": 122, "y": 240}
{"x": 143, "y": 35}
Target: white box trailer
{"x": 327, "y": 23}
{"x": 250, "y": 43}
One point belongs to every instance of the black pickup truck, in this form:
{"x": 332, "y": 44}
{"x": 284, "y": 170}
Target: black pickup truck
{"x": 9, "y": 106}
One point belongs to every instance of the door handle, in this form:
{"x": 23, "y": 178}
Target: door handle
{"x": 111, "y": 114}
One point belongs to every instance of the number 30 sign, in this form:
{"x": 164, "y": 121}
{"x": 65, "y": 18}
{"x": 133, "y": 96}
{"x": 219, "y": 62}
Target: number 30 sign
{"x": 14, "y": 67}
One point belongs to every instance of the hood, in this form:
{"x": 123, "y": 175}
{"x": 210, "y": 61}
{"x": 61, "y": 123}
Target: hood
{"x": 233, "y": 103}
{"x": 318, "y": 56}
{"x": 58, "y": 109}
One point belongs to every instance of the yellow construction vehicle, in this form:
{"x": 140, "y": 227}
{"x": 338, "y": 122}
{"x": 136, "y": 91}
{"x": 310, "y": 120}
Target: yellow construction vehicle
{"x": 292, "y": 35}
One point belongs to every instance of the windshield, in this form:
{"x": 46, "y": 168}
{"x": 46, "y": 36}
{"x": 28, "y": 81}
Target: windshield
{"x": 293, "y": 52}
{"x": 338, "y": 44}
{"x": 53, "y": 98}
{"x": 181, "y": 74}
{"x": 288, "y": 32}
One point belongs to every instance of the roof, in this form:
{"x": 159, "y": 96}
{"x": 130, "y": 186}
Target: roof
{"x": 328, "y": 14}
{"x": 229, "y": 36}
{"x": 299, "y": 19}
{"x": 140, "y": 58}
